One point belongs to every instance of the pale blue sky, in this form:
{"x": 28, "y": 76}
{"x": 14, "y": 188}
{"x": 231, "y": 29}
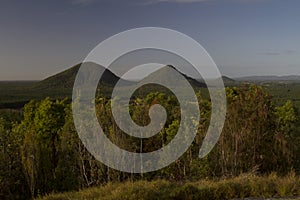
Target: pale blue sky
{"x": 244, "y": 37}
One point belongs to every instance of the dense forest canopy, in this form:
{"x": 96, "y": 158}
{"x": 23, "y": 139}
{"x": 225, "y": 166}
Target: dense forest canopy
{"x": 41, "y": 153}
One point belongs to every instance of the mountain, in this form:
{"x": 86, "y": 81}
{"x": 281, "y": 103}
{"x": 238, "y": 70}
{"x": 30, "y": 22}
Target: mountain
{"x": 167, "y": 71}
{"x": 65, "y": 80}
{"x": 167, "y": 75}
{"x": 61, "y": 80}
{"x": 228, "y": 81}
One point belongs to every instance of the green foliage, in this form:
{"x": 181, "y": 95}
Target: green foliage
{"x": 252, "y": 138}
{"x": 286, "y": 117}
{"x": 12, "y": 179}
{"x": 44, "y": 153}
{"x": 41, "y": 128}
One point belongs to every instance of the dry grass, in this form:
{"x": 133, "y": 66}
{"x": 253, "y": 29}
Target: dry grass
{"x": 243, "y": 186}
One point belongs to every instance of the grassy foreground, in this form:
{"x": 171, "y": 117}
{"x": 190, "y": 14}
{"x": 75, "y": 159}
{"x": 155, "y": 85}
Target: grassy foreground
{"x": 240, "y": 187}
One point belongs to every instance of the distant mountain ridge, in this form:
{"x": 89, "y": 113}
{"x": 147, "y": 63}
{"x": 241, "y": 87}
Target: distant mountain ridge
{"x": 270, "y": 78}
{"x": 61, "y": 84}
{"x": 65, "y": 80}
{"x": 15, "y": 94}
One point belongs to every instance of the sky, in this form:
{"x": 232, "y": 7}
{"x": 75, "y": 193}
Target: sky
{"x": 244, "y": 37}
